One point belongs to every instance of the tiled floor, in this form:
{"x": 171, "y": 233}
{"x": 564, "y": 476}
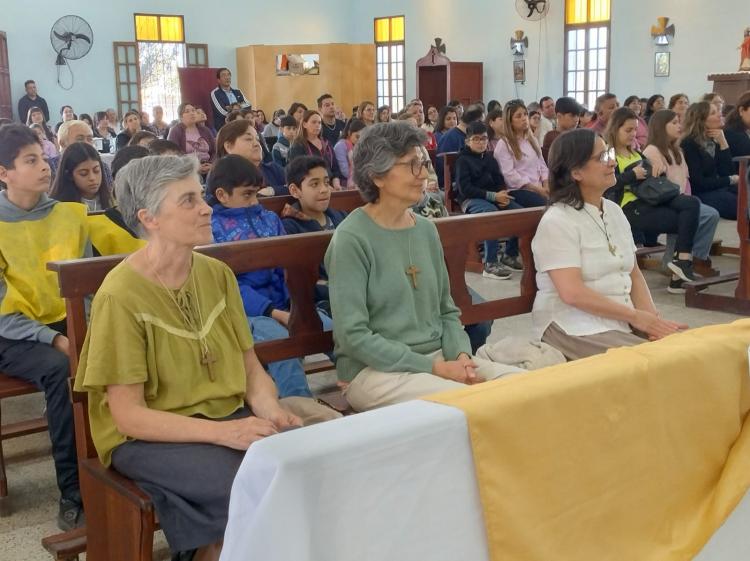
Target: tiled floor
{"x": 28, "y": 513}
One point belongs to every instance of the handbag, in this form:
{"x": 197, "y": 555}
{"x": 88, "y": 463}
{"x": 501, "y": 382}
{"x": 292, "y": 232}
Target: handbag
{"x": 653, "y": 191}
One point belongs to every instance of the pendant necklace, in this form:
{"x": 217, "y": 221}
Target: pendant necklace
{"x": 207, "y": 357}
{"x": 412, "y": 270}
{"x": 611, "y": 247}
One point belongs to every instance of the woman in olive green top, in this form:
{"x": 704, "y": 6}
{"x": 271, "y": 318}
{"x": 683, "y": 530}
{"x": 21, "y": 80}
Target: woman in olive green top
{"x": 397, "y": 331}
{"x": 170, "y": 369}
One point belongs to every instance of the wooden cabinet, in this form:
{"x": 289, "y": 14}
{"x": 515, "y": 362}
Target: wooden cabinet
{"x": 439, "y": 80}
{"x": 731, "y": 86}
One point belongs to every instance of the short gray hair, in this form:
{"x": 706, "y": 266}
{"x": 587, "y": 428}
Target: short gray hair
{"x": 142, "y": 183}
{"x": 377, "y": 150}
{"x": 62, "y": 132}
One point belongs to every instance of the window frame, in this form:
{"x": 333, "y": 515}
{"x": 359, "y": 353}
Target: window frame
{"x": 158, "y": 27}
{"x": 388, "y": 45}
{"x": 587, "y": 27}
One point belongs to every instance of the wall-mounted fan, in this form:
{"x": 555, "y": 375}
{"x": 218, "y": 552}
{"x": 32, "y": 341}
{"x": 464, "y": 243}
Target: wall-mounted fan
{"x": 72, "y": 38}
{"x": 532, "y": 10}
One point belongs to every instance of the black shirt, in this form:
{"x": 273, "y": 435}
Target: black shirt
{"x": 26, "y": 103}
{"x": 332, "y": 133}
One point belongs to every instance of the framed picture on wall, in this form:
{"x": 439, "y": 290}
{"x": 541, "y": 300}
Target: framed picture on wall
{"x": 661, "y": 65}
{"x": 519, "y": 71}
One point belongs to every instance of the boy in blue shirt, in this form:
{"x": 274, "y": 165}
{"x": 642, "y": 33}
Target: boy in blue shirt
{"x": 232, "y": 191}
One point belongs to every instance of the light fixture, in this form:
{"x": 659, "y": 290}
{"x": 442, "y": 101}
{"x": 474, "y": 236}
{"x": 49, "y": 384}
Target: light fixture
{"x": 518, "y": 43}
{"x": 662, "y": 32}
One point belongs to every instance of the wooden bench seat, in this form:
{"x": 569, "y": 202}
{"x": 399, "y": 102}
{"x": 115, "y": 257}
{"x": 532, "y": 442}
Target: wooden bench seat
{"x": 14, "y": 387}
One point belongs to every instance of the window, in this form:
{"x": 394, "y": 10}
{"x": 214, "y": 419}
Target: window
{"x": 161, "y": 51}
{"x": 389, "y": 62}
{"x": 587, "y": 40}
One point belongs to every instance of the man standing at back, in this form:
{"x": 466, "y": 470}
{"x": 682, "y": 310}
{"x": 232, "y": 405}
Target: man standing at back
{"x": 31, "y": 99}
{"x": 332, "y": 126}
{"x": 224, "y": 96}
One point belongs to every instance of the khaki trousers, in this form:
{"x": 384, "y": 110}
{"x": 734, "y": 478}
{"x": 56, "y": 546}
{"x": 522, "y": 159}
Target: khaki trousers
{"x": 371, "y": 389}
{"x": 574, "y": 347}
{"x": 308, "y": 409}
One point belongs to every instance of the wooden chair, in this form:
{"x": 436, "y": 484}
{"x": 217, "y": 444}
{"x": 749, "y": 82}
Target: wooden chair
{"x": 14, "y": 387}
{"x": 695, "y": 295}
{"x": 120, "y": 518}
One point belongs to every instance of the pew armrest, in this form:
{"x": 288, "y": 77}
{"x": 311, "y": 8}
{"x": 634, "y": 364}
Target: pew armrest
{"x": 122, "y": 485}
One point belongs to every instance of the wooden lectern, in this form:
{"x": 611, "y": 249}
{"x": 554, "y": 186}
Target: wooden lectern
{"x": 439, "y": 80}
{"x": 731, "y": 86}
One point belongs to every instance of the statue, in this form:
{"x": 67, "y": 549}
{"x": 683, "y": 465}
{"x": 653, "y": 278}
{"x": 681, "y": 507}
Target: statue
{"x": 745, "y": 52}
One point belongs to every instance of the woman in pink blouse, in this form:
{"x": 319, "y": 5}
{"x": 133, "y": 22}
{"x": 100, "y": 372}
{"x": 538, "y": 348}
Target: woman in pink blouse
{"x": 520, "y": 158}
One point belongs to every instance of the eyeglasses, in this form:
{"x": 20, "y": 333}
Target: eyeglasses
{"x": 416, "y": 165}
{"x": 608, "y": 155}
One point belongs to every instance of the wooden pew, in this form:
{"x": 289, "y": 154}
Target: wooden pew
{"x": 340, "y": 200}
{"x": 121, "y": 519}
{"x": 695, "y": 294}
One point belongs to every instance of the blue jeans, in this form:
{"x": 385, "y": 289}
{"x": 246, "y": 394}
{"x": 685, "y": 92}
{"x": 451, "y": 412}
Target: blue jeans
{"x": 289, "y": 375}
{"x": 708, "y": 219}
{"x": 477, "y": 332}
{"x": 724, "y": 200}
{"x": 478, "y": 206}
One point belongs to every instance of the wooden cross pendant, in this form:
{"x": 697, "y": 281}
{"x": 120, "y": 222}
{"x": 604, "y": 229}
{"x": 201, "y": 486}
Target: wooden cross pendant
{"x": 412, "y": 271}
{"x": 208, "y": 359}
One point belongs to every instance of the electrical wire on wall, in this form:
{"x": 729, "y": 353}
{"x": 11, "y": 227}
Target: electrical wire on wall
{"x": 61, "y": 74}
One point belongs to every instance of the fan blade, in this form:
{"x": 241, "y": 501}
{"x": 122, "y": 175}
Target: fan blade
{"x": 82, "y": 37}
{"x": 61, "y": 37}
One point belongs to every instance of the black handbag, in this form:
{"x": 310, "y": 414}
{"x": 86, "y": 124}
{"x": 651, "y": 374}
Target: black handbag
{"x": 653, "y": 191}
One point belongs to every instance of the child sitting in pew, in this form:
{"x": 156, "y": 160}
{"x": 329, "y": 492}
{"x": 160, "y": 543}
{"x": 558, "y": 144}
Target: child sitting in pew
{"x": 309, "y": 183}
{"x": 35, "y": 229}
{"x": 232, "y": 191}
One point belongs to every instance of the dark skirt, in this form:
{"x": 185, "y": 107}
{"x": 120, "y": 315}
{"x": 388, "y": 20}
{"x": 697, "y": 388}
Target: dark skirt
{"x": 188, "y": 483}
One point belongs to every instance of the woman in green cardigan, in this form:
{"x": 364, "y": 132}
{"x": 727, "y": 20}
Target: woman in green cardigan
{"x": 397, "y": 331}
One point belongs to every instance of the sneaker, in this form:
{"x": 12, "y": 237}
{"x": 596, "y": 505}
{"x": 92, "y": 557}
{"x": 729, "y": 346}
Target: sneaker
{"x": 496, "y": 271}
{"x": 512, "y": 262}
{"x": 683, "y": 269}
{"x": 676, "y": 286}
{"x": 70, "y": 515}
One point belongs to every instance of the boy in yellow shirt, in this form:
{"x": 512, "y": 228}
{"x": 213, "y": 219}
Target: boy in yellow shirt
{"x": 34, "y": 230}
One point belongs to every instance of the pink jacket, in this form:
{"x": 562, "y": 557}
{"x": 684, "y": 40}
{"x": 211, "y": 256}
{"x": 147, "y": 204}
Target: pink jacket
{"x": 517, "y": 173}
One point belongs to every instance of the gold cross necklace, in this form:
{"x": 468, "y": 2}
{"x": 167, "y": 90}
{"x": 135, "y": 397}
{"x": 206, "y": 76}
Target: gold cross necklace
{"x": 412, "y": 270}
{"x": 610, "y": 246}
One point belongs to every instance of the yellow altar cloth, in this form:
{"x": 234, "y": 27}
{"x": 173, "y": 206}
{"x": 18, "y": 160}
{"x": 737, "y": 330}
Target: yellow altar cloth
{"x": 636, "y": 455}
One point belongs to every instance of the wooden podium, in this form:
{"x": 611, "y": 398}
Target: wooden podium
{"x": 439, "y": 80}
{"x": 731, "y": 86}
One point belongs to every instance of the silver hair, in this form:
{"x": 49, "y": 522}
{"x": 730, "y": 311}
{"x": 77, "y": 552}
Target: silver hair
{"x": 378, "y": 149}
{"x": 142, "y": 183}
{"x": 62, "y": 132}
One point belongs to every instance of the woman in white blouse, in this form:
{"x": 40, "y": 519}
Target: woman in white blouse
{"x": 592, "y": 296}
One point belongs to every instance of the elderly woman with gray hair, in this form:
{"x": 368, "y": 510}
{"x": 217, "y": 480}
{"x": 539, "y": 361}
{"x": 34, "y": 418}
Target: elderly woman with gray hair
{"x": 176, "y": 392}
{"x": 397, "y": 331}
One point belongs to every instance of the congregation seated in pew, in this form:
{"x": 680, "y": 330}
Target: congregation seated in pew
{"x": 80, "y": 178}
{"x": 591, "y": 294}
{"x": 237, "y": 215}
{"x": 397, "y": 331}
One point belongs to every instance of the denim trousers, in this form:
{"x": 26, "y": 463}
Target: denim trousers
{"x": 478, "y": 206}
{"x": 289, "y": 375}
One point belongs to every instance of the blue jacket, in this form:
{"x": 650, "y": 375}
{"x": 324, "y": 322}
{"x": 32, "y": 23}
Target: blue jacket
{"x": 452, "y": 141}
{"x": 220, "y": 102}
{"x": 264, "y": 287}
{"x": 275, "y": 177}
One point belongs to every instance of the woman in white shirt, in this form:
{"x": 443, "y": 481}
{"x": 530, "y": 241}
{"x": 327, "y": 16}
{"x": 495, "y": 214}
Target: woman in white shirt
{"x": 591, "y": 295}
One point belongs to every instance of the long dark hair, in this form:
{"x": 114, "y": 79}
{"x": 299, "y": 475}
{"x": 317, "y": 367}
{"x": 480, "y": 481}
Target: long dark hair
{"x": 616, "y": 121}
{"x": 440, "y": 125}
{"x": 64, "y": 187}
{"x": 649, "y": 110}
{"x": 657, "y": 136}
{"x": 569, "y": 151}
{"x": 47, "y": 132}
{"x": 734, "y": 119}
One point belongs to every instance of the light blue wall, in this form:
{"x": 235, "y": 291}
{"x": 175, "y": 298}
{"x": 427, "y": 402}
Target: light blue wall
{"x": 239, "y": 23}
{"x": 708, "y": 34}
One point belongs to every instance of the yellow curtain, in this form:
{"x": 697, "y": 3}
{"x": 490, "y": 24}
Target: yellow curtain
{"x": 638, "y": 454}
